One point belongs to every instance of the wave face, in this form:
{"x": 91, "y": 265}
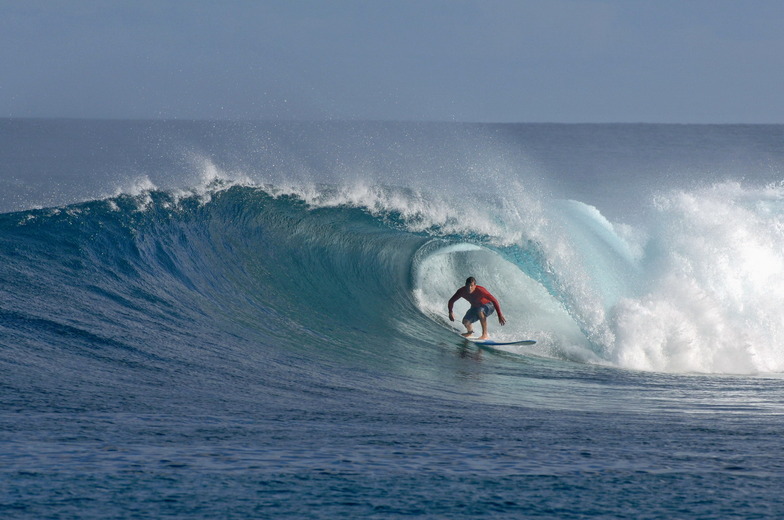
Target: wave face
{"x": 696, "y": 291}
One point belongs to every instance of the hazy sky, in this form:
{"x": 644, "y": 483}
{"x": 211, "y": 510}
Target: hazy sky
{"x": 680, "y": 61}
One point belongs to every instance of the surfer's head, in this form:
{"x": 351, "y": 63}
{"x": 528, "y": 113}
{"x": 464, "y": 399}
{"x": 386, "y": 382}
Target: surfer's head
{"x": 470, "y": 283}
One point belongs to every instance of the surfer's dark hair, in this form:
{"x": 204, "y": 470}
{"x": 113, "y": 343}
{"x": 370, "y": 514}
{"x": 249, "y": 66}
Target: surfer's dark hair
{"x": 470, "y": 280}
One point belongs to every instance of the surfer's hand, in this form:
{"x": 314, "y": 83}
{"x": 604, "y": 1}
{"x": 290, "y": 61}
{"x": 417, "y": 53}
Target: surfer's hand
{"x": 451, "y": 316}
{"x": 501, "y": 320}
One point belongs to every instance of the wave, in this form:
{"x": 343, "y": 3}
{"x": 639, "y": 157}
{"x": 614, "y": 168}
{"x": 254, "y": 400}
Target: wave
{"x": 338, "y": 270}
{"x": 713, "y": 285}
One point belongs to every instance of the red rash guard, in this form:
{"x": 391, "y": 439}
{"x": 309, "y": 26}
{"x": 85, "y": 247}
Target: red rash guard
{"x": 479, "y": 297}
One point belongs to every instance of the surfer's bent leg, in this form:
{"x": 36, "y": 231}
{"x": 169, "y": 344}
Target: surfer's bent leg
{"x": 483, "y": 322}
{"x": 469, "y": 318}
{"x": 482, "y": 313}
{"x": 469, "y": 328}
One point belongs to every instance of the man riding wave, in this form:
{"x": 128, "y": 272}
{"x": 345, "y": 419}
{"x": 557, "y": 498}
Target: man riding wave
{"x": 483, "y": 304}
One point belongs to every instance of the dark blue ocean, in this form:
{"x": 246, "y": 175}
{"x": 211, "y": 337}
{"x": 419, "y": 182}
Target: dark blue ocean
{"x": 244, "y": 320}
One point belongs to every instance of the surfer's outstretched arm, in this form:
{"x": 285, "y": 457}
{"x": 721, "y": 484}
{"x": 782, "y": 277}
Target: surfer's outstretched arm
{"x": 452, "y": 300}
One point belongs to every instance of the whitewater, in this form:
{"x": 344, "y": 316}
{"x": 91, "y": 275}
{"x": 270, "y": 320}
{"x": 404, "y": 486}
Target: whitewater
{"x": 246, "y": 320}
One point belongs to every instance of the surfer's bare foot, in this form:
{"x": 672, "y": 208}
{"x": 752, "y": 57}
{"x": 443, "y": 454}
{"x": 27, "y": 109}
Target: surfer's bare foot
{"x": 467, "y": 334}
{"x": 484, "y": 336}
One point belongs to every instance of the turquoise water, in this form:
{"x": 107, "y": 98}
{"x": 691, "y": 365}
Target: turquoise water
{"x": 243, "y": 320}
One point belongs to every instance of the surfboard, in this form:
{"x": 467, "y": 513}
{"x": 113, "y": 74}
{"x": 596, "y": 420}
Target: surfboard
{"x": 493, "y": 343}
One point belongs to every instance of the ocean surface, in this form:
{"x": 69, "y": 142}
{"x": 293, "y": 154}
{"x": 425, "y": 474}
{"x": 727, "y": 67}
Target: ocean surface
{"x": 244, "y": 320}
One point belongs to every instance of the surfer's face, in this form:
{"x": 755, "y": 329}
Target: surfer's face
{"x": 471, "y": 286}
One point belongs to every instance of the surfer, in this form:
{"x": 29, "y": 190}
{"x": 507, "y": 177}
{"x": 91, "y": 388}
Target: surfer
{"x": 483, "y": 304}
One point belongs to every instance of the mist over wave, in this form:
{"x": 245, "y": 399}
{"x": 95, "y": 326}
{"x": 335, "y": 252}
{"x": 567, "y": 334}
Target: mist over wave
{"x": 255, "y": 226}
